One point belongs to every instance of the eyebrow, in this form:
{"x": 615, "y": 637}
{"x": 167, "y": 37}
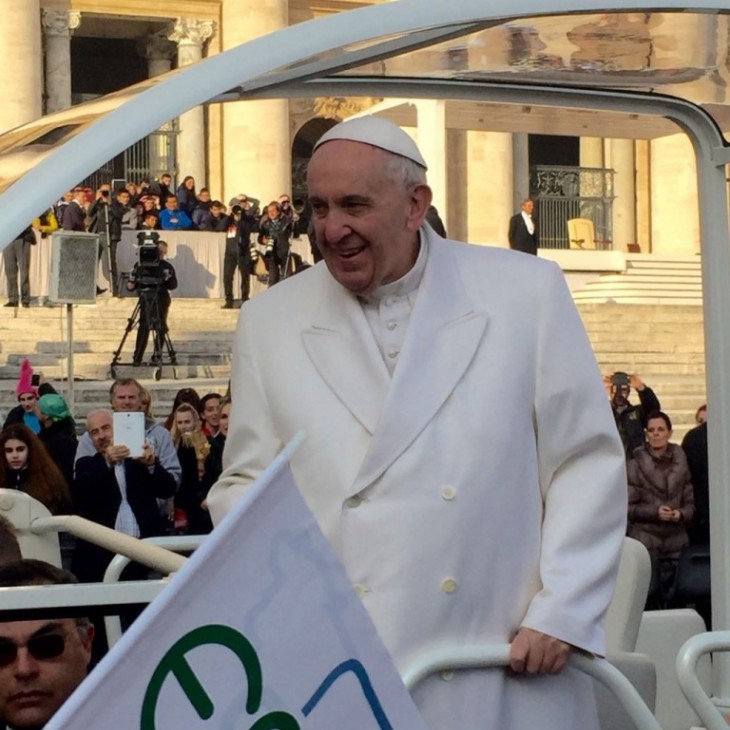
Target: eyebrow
{"x": 48, "y": 628}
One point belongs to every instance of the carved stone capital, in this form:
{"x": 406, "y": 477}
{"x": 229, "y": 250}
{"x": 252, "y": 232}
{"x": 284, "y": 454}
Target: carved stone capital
{"x": 190, "y": 31}
{"x": 60, "y": 22}
{"x": 339, "y": 108}
{"x": 156, "y": 48}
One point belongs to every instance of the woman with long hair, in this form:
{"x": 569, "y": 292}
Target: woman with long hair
{"x": 184, "y": 395}
{"x": 192, "y": 451}
{"x": 187, "y": 198}
{"x": 27, "y": 466}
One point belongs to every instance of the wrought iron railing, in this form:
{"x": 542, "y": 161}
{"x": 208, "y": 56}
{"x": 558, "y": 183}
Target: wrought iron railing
{"x": 561, "y": 193}
{"x": 147, "y": 159}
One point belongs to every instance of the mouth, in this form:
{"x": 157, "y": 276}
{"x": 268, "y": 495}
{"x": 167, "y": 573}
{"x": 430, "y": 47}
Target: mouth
{"x": 350, "y": 253}
{"x": 26, "y": 699}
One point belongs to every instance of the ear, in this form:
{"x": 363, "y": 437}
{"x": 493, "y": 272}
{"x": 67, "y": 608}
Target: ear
{"x": 420, "y": 200}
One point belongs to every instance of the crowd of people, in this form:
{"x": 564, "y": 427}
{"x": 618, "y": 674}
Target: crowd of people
{"x": 252, "y": 234}
{"x": 162, "y": 491}
{"x": 668, "y": 491}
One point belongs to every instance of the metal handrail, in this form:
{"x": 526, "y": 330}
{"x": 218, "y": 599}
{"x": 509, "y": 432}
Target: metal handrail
{"x": 497, "y": 655}
{"x": 119, "y": 562}
{"x": 686, "y": 665}
{"x": 150, "y": 555}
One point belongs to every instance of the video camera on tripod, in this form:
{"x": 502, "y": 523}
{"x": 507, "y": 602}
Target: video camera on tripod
{"x": 147, "y": 273}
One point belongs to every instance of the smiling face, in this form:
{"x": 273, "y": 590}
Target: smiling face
{"x": 16, "y": 453}
{"x": 366, "y": 219}
{"x": 211, "y": 413}
{"x": 32, "y": 689}
{"x": 657, "y": 434}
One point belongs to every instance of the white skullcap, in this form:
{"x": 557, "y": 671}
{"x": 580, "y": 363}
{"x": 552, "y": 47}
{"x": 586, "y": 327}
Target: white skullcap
{"x": 377, "y": 132}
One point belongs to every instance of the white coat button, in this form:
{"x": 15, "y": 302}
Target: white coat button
{"x": 448, "y": 585}
{"x": 447, "y": 675}
{"x": 448, "y": 492}
{"x": 392, "y": 354}
{"x": 391, "y": 325}
{"x": 353, "y": 502}
{"x": 361, "y": 590}
{"x": 389, "y": 301}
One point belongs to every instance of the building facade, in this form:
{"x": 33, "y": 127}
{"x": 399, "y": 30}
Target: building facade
{"x": 67, "y": 51}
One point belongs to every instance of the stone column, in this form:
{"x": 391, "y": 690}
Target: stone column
{"x": 256, "y": 134}
{"x": 624, "y": 189}
{"x": 58, "y": 27}
{"x": 432, "y": 143}
{"x": 20, "y": 39}
{"x": 520, "y": 169}
{"x": 190, "y": 35}
{"x": 159, "y": 53}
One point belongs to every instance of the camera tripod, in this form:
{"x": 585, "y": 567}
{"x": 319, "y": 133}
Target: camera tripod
{"x": 147, "y": 314}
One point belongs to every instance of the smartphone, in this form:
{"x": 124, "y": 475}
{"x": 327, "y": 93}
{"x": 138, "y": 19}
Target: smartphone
{"x": 129, "y": 432}
{"x": 35, "y": 380}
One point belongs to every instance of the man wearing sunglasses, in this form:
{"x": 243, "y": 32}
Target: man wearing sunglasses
{"x": 42, "y": 661}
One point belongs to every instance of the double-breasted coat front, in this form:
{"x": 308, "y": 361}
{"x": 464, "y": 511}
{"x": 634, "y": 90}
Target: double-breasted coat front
{"x": 479, "y": 488}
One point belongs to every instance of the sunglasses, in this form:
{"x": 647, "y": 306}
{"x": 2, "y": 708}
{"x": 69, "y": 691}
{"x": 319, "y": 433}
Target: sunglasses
{"x": 47, "y": 646}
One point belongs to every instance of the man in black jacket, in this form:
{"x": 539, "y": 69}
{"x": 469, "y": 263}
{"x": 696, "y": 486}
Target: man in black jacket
{"x": 16, "y": 258}
{"x": 630, "y": 418}
{"x": 522, "y": 233}
{"x": 119, "y": 217}
{"x": 154, "y": 284}
{"x": 116, "y": 491}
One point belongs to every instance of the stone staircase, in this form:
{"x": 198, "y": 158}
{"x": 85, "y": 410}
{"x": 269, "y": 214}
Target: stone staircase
{"x": 663, "y": 344}
{"x": 648, "y": 279}
{"x": 201, "y": 333}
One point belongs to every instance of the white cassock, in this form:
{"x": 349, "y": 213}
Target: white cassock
{"x": 479, "y": 488}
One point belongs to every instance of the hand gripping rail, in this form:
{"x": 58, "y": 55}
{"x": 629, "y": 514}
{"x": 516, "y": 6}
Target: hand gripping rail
{"x": 497, "y": 655}
{"x": 686, "y": 665}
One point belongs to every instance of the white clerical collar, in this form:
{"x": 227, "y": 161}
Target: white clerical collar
{"x": 409, "y": 282}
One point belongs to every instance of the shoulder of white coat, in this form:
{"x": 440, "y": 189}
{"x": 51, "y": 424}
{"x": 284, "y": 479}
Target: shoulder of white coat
{"x": 491, "y": 268}
{"x": 300, "y": 291}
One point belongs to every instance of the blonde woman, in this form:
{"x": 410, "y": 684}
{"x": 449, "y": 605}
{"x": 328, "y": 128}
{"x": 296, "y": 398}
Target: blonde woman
{"x": 192, "y": 451}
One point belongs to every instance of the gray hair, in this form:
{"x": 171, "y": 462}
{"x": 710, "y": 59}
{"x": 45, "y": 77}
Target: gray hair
{"x": 405, "y": 171}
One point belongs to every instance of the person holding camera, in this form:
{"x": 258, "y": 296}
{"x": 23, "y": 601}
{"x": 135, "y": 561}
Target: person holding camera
{"x": 274, "y": 233}
{"x": 630, "y": 418}
{"x": 98, "y": 213}
{"x": 156, "y": 282}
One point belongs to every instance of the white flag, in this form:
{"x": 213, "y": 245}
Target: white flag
{"x": 261, "y": 630}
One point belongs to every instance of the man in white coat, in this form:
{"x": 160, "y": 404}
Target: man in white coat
{"x": 461, "y": 456}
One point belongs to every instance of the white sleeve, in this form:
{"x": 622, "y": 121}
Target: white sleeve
{"x": 582, "y": 475}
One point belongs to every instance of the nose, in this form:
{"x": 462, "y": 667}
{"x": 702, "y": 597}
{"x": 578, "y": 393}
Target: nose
{"x": 334, "y": 227}
{"x": 26, "y": 667}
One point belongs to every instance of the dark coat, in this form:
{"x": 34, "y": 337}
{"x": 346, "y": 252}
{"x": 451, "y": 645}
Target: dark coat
{"x": 520, "y": 239}
{"x": 73, "y": 217}
{"x": 61, "y": 442}
{"x": 96, "y": 496}
{"x": 631, "y": 421}
{"x": 654, "y": 481}
{"x": 15, "y": 415}
{"x": 695, "y": 449}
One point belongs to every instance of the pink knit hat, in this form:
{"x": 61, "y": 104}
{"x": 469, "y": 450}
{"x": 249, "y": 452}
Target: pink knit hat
{"x": 24, "y": 381}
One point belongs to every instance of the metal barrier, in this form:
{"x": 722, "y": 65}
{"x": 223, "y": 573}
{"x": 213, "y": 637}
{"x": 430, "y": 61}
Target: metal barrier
{"x": 497, "y": 655}
{"x": 686, "y": 666}
{"x": 174, "y": 543}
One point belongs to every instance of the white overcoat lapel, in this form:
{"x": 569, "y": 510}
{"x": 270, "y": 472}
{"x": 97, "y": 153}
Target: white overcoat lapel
{"x": 342, "y": 348}
{"x": 444, "y": 334}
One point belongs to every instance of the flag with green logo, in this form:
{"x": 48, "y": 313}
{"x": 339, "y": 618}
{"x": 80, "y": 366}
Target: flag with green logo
{"x": 261, "y": 630}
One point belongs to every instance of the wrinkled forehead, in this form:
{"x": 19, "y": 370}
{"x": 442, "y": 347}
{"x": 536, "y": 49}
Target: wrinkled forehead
{"x": 20, "y": 631}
